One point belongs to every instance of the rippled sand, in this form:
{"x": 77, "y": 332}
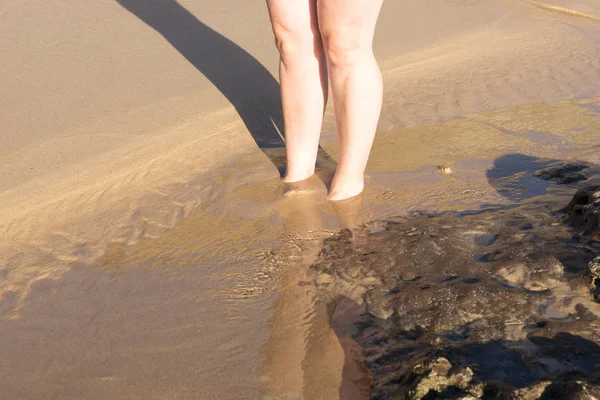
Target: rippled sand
{"x": 147, "y": 247}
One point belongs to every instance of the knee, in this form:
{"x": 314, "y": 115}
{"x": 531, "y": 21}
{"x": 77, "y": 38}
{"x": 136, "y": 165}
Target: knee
{"x": 342, "y": 50}
{"x": 293, "y": 44}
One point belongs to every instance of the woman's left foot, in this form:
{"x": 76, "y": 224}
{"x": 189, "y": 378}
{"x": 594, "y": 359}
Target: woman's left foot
{"x": 312, "y": 184}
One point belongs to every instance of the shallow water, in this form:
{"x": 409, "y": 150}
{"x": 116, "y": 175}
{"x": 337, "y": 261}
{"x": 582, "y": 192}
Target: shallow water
{"x": 223, "y": 305}
{"x": 491, "y": 302}
{"x": 148, "y": 250}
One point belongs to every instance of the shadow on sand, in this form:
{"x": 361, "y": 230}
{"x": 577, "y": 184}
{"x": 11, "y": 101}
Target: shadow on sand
{"x": 242, "y": 79}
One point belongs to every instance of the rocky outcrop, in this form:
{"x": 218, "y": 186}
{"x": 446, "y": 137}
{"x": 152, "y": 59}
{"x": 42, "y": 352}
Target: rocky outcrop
{"x": 593, "y": 278}
{"x": 564, "y": 173}
{"x": 583, "y": 212}
{"x": 495, "y": 304}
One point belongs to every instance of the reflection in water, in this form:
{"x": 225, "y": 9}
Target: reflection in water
{"x": 304, "y": 356}
{"x": 520, "y": 177}
{"x": 513, "y": 176}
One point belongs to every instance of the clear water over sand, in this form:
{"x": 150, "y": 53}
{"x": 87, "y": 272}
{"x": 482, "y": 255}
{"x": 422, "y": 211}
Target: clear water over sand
{"x": 148, "y": 249}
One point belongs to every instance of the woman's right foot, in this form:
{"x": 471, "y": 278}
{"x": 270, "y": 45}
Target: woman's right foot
{"x": 342, "y": 188}
{"x": 297, "y": 176}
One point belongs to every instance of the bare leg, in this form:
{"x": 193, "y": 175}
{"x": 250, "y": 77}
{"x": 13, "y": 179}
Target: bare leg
{"x": 303, "y": 78}
{"x": 347, "y": 28}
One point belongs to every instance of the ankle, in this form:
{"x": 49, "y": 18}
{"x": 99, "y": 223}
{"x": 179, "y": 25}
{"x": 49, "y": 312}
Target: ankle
{"x": 345, "y": 187}
{"x": 292, "y": 176}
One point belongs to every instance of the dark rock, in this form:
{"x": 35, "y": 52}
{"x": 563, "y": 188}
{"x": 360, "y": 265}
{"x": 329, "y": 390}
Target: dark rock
{"x": 593, "y": 278}
{"x": 440, "y": 324}
{"x": 583, "y": 212}
{"x": 564, "y": 174}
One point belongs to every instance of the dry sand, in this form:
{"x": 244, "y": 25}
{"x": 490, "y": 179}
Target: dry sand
{"x": 130, "y": 120}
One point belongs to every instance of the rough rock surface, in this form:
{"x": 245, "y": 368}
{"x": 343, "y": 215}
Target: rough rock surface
{"x": 496, "y": 304}
{"x": 564, "y": 174}
{"x": 593, "y": 276}
{"x": 583, "y": 212}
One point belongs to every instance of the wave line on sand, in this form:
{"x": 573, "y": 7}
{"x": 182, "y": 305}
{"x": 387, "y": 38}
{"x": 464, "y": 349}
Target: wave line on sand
{"x": 562, "y": 10}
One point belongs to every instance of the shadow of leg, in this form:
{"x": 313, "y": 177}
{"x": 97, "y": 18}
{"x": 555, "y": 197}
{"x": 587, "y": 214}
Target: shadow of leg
{"x": 242, "y": 79}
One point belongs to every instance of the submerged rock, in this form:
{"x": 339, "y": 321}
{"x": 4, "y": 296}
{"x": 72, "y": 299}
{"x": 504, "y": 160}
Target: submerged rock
{"x": 564, "y": 174}
{"x": 486, "y": 305}
{"x": 593, "y": 275}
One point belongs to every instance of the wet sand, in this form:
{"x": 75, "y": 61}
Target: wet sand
{"x": 147, "y": 247}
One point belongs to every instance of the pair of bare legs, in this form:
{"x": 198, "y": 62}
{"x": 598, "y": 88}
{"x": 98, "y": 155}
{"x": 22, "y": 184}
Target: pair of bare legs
{"x": 321, "y": 41}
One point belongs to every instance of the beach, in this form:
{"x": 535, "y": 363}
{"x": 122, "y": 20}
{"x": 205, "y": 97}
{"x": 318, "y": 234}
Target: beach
{"x": 148, "y": 249}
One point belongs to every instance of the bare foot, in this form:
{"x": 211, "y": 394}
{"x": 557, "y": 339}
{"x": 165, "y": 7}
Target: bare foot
{"x": 350, "y": 212}
{"x": 342, "y": 189}
{"x": 312, "y": 184}
{"x": 297, "y": 175}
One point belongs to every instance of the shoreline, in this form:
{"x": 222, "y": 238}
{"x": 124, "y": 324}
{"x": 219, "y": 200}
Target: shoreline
{"x": 79, "y": 235}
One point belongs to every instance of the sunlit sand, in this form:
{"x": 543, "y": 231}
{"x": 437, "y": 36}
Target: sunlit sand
{"x": 148, "y": 248}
